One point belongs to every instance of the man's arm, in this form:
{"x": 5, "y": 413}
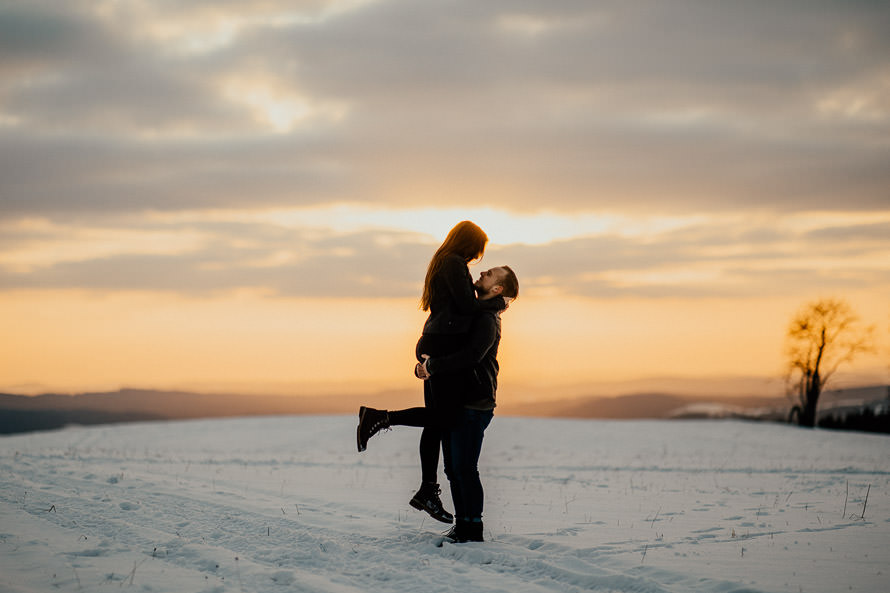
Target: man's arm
{"x": 482, "y": 337}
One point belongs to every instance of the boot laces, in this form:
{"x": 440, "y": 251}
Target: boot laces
{"x": 382, "y": 424}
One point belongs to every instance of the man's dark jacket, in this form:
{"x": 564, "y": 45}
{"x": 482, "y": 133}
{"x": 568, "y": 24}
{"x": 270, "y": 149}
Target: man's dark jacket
{"x": 476, "y": 363}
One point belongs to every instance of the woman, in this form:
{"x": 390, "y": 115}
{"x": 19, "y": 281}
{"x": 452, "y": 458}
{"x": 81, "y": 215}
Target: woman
{"x": 449, "y": 296}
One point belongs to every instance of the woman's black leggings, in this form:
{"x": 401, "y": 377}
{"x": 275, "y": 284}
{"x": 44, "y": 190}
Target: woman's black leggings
{"x": 437, "y": 411}
{"x": 430, "y": 438}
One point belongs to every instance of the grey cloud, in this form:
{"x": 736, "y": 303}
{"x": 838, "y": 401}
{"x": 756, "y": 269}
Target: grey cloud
{"x": 97, "y": 175}
{"x": 69, "y": 73}
{"x": 311, "y": 263}
{"x": 43, "y": 31}
{"x": 875, "y": 232}
{"x": 133, "y": 96}
{"x": 594, "y": 45}
{"x": 593, "y": 266}
{"x": 674, "y": 107}
{"x": 355, "y": 265}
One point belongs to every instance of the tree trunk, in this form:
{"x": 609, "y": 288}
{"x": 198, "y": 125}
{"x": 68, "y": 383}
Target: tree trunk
{"x": 814, "y": 390}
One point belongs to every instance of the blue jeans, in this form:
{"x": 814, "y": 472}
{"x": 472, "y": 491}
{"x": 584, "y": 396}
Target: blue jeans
{"x": 461, "y": 446}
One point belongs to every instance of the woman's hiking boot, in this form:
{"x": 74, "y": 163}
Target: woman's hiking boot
{"x": 370, "y": 422}
{"x": 427, "y": 499}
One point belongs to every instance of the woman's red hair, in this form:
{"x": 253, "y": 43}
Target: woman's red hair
{"x": 466, "y": 240}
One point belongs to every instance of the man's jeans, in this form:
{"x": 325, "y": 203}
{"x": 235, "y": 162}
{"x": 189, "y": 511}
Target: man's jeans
{"x": 461, "y": 447}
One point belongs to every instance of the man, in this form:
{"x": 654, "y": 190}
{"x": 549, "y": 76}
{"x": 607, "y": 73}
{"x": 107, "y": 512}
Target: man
{"x": 476, "y": 367}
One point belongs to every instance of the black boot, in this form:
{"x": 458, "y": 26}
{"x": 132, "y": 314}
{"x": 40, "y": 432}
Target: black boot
{"x": 370, "y": 422}
{"x": 427, "y": 499}
{"x": 467, "y": 531}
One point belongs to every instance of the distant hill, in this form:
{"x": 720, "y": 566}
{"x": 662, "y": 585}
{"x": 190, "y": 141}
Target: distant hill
{"x": 182, "y": 404}
{"x": 16, "y": 421}
{"x": 20, "y": 413}
{"x": 665, "y": 405}
{"x": 653, "y": 405}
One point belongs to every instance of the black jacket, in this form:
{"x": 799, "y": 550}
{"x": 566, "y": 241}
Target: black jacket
{"x": 453, "y": 304}
{"x": 476, "y": 362}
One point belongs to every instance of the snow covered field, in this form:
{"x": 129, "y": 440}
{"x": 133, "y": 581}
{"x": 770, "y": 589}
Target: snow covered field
{"x": 286, "y": 504}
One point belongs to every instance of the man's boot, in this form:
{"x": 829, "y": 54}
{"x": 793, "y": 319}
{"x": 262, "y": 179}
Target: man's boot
{"x": 468, "y": 531}
{"x": 370, "y": 422}
{"x": 427, "y": 499}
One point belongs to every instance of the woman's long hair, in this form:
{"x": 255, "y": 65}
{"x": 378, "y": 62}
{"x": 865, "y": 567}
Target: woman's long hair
{"x": 467, "y": 240}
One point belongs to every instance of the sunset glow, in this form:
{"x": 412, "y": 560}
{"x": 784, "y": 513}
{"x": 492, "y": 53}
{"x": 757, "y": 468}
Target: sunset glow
{"x": 245, "y": 196}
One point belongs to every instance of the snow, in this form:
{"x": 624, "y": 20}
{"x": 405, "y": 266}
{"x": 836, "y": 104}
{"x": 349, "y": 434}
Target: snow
{"x": 287, "y": 504}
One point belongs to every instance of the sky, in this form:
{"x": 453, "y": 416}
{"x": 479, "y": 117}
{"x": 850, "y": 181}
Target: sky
{"x": 244, "y": 195}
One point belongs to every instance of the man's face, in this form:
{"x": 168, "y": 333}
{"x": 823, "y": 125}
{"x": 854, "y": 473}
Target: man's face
{"x": 489, "y": 279}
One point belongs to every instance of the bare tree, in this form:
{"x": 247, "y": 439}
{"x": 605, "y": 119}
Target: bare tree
{"x": 823, "y": 335}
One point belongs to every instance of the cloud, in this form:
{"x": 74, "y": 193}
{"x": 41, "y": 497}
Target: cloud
{"x": 44, "y": 33}
{"x": 873, "y": 233}
{"x": 226, "y": 257}
{"x": 724, "y": 258}
{"x": 688, "y": 107}
{"x": 97, "y": 176}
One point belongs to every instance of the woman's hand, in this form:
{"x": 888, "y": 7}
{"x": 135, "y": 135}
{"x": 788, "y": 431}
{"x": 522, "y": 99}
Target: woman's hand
{"x": 420, "y": 370}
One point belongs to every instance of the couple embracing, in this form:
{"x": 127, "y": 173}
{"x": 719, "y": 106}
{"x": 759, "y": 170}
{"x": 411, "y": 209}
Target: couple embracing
{"x": 457, "y": 361}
